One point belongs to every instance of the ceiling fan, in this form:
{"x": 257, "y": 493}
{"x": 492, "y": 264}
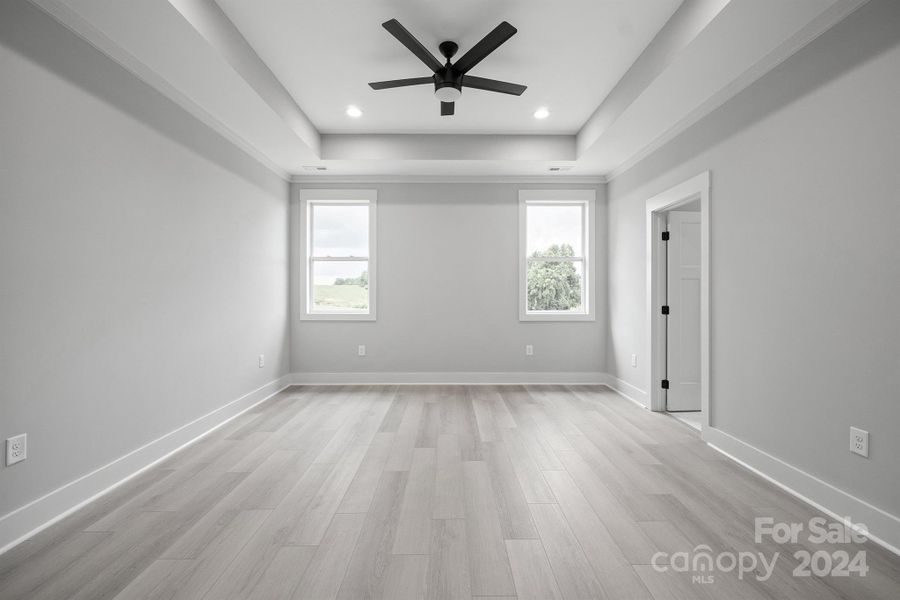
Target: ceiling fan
{"x": 449, "y": 79}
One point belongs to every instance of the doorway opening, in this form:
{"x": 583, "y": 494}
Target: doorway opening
{"x": 678, "y": 301}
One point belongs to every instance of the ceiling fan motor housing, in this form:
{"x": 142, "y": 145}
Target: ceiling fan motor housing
{"x": 447, "y": 85}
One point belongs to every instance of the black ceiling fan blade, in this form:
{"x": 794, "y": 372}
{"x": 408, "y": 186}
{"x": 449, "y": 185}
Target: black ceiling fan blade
{"x": 447, "y": 108}
{"x": 492, "y": 85}
{"x": 488, "y": 44}
{"x": 395, "y": 83}
{"x": 415, "y": 46}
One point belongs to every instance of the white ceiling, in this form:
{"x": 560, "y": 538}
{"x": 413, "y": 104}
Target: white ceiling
{"x": 620, "y": 77}
{"x": 569, "y": 54}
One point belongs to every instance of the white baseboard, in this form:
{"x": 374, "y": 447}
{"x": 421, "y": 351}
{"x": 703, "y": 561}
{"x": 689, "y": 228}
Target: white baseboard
{"x": 883, "y": 527}
{"x": 633, "y": 393}
{"x": 450, "y": 377}
{"x": 27, "y": 520}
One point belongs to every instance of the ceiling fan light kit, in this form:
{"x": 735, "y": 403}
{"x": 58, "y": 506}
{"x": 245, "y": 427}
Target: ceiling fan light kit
{"x": 447, "y": 92}
{"x": 449, "y": 79}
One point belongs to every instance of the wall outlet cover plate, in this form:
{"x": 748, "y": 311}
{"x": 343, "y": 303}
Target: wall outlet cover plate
{"x": 16, "y": 449}
{"x": 859, "y": 441}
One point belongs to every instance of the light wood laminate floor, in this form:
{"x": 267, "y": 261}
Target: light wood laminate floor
{"x": 431, "y": 492}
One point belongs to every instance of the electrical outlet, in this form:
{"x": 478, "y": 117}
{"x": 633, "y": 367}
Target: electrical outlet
{"x": 262, "y": 360}
{"x": 634, "y": 360}
{"x": 361, "y": 350}
{"x": 16, "y": 449}
{"x": 529, "y": 350}
{"x": 859, "y": 442}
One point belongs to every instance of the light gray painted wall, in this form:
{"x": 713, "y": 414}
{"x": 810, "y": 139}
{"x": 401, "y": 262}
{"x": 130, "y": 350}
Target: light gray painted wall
{"x": 805, "y": 256}
{"x": 463, "y": 315}
{"x": 143, "y": 260}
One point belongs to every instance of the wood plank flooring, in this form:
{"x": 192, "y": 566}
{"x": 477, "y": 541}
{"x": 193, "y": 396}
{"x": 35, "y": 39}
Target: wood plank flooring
{"x": 436, "y": 492}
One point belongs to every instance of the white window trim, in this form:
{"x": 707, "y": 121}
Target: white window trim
{"x": 587, "y": 199}
{"x": 310, "y": 196}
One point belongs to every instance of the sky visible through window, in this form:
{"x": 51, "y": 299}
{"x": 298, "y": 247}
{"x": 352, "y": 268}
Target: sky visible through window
{"x": 339, "y": 231}
{"x": 554, "y": 225}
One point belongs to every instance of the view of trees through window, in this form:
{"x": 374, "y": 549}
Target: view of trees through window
{"x": 554, "y": 285}
{"x": 555, "y": 247}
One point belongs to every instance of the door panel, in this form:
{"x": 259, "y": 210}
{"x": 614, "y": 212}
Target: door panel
{"x": 683, "y": 321}
{"x": 689, "y": 350}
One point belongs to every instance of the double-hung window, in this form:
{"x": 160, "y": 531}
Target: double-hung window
{"x": 556, "y": 250}
{"x": 338, "y": 254}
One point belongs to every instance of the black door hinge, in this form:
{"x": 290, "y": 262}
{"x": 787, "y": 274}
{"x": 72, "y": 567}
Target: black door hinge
{"x": 665, "y": 236}
{"x": 665, "y": 310}
{"x": 665, "y": 384}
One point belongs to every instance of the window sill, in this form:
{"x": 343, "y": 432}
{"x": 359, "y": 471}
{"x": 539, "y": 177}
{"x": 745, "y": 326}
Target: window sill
{"x": 336, "y": 317}
{"x": 556, "y": 317}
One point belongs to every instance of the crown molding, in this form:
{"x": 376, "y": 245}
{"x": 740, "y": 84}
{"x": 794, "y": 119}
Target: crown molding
{"x": 69, "y": 19}
{"x": 791, "y": 46}
{"x": 96, "y": 38}
{"x": 211, "y": 22}
{"x": 374, "y": 179}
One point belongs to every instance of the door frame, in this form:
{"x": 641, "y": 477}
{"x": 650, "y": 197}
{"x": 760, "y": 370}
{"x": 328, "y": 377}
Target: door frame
{"x": 656, "y": 207}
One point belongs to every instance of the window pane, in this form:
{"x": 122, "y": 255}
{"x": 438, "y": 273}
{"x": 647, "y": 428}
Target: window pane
{"x": 340, "y": 230}
{"x": 340, "y": 286}
{"x": 556, "y": 286}
{"x": 555, "y": 230}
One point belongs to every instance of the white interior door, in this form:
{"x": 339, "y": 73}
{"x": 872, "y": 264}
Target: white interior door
{"x": 683, "y": 321}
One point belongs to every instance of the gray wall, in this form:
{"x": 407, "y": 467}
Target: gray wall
{"x": 463, "y": 315}
{"x": 143, "y": 260}
{"x": 805, "y": 257}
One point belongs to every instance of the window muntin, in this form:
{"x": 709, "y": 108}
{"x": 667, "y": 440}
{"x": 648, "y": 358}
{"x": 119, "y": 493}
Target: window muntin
{"x": 555, "y": 251}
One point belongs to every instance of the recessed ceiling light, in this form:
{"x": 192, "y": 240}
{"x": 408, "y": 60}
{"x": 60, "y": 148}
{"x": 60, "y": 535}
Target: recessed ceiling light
{"x": 353, "y": 111}
{"x": 542, "y": 113}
